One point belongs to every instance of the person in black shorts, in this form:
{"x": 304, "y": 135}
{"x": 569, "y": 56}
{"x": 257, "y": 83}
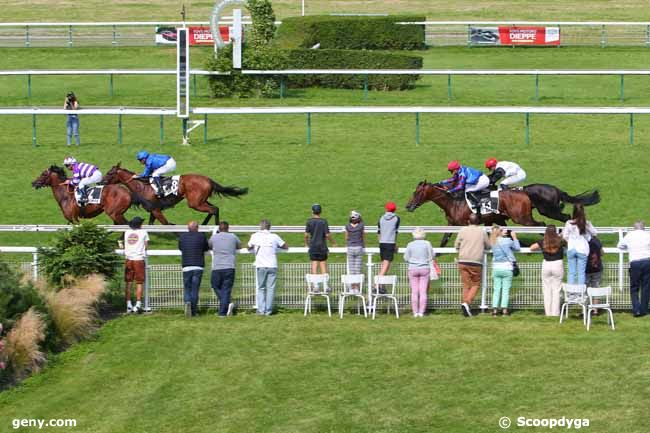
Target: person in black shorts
{"x": 317, "y": 233}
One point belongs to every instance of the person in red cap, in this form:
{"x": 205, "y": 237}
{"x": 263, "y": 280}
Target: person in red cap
{"x": 387, "y": 229}
{"x": 510, "y": 172}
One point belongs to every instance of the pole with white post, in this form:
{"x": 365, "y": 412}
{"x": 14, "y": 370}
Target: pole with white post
{"x": 236, "y": 37}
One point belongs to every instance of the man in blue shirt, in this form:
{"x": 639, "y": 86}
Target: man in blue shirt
{"x": 155, "y": 165}
{"x": 466, "y": 178}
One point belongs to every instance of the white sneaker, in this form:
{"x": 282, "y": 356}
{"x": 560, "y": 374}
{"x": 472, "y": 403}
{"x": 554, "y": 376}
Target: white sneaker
{"x": 231, "y": 308}
{"x": 129, "y": 309}
{"x": 135, "y": 309}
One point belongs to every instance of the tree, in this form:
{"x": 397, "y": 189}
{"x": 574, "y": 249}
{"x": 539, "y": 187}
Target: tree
{"x": 263, "y": 27}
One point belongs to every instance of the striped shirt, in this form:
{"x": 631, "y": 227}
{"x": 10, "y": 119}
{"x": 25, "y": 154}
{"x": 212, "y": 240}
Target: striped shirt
{"x": 81, "y": 170}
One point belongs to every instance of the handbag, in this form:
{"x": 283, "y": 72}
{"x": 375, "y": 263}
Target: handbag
{"x": 434, "y": 269}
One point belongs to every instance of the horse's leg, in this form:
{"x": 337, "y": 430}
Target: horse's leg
{"x": 152, "y": 218}
{"x": 445, "y": 239}
{"x": 209, "y": 208}
{"x": 157, "y": 213}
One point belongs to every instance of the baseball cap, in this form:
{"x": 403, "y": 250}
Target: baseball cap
{"x": 316, "y": 208}
{"x": 354, "y": 214}
{"x": 136, "y": 222}
{"x": 390, "y": 206}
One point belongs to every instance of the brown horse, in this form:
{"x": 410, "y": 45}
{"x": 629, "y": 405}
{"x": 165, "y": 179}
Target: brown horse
{"x": 197, "y": 189}
{"x": 115, "y": 200}
{"x": 513, "y": 204}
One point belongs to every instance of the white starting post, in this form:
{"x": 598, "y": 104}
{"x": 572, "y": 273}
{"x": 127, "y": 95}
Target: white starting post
{"x": 183, "y": 79}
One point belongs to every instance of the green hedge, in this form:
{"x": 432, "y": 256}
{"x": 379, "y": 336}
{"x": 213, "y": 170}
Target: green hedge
{"x": 351, "y": 59}
{"x": 351, "y": 33}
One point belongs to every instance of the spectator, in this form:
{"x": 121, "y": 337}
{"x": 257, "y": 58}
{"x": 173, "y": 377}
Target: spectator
{"x": 355, "y": 239}
{"x": 265, "y": 246}
{"x": 193, "y": 246}
{"x": 224, "y": 249}
{"x": 387, "y": 228}
{"x": 419, "y": 254}
{"x": 471, "y": 243}
{"x": 552, "y": 269}
{"x": 577, "y": 232}
{"x": 504, "y": 244}
{"x": 594, "y": 262}
{"x": 317, "y": 233}
{"x": 72, "y": 122}
{"x": 136, "y": 241}
{"x": 637, "y": 244}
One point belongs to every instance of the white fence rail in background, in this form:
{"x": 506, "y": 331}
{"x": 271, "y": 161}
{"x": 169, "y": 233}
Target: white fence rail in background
{"x": 164, "y": 284}
{"x": 572, "y": 33}
{"x": 308, "y": 111}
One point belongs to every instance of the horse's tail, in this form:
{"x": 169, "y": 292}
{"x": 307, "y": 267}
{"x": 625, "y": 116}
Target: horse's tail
{"x": 586, "y": 198}
{"x": 227, "y": 191}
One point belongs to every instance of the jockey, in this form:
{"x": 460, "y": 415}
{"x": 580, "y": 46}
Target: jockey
{"x": 467, "y": 178}
{"x": 155, "y": 165}
{"x": 83, "y": 175}
{"x": 510, "y": 172}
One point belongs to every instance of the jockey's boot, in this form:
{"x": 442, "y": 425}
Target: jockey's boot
{"x": 159, "y": 190}
{"x": 475, "y": 202}
{"x": 504, "y": 187}
{"x": 82, "y": 196}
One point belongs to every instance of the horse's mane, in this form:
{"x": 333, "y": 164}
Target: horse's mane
{"x": 58, "y": 170}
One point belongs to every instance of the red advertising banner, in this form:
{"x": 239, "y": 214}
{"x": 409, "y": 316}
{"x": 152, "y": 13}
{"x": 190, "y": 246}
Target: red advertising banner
{"x": 203, "y": 35}
{"x": 529, "y": 35}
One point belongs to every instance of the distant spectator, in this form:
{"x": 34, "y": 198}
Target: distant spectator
{"x": 594, "y": 263}
{"x": 317, "y": 233}
{"x": 387, "y": 228}
{"x": 637, "y": 244}
{"x": 552, "y": 268}
{"x": 193, "y": 246}
{"x": 72, "y": 122}
{"x": 419, "y": 254}
{"x": 224, "y": 251}
{"x": 264, "y": 245}
{"x": 504, "y": 244}
{"x": 577, "y": 232}
{"x": 355, "y": 239}
{"x": 471, "y": 243}
{"x": 136, "y": 241}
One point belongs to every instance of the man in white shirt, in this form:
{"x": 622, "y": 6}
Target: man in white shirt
{"x": 265, "y": 245}
{"x": 637, "y": 244}
{"x": 135, "y": 251}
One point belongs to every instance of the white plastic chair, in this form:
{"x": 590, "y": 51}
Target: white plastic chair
{"x": 384, "y": 280}
{"x": 574, "y": 294}
{"x": 317, "y": 286}
{"x": 600, "y": 292}
{"x": 349, "y": 281}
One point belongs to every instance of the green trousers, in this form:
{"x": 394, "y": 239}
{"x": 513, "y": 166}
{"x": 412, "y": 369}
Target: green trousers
{"x": 502, "y": 280}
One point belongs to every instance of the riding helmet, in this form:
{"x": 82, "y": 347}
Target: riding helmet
{"x": 143, "y": 154}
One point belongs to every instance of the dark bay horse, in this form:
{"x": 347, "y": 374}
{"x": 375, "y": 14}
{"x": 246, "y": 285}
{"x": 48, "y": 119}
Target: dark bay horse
{"x": 549, "y": 200}
{"x": 513, "y": 204}
{"x": 115, "y": 200}
{"x": 197, "y": 189}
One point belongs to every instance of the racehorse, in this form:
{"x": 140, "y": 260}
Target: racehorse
{"x": 549, "y": 200}
{"x": 115, "y": 200}
{"x": 197, "y": 189}
{"x": 513, "y": 204}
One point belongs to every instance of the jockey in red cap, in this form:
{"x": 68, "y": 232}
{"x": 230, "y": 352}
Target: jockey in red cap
{"x": 510, "y": 172}
{"x": 467, "y": 178}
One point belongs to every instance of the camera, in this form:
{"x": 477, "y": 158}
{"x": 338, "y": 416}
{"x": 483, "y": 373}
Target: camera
{"x": 509, "y": 234}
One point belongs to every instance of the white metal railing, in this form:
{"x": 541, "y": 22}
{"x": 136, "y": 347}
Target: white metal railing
{"x": 164, "y": 283}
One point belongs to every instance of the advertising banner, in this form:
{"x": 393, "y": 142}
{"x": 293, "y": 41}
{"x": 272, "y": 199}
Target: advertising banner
{"x": 513, "y": 35}
{"x": 197, "y": 35}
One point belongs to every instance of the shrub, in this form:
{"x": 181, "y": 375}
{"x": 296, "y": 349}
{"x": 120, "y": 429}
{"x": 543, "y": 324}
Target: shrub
{"x": 22, "y": 345}
{"x": 16, "y": 297}
{"x": 352, "y": 33}
{"x": 244, "y": 86}
{"x": 73, "y": 311}
{"x": 85, "y": 249}
{"x": 263, "y": 18}
{"x": 349, "y": 59}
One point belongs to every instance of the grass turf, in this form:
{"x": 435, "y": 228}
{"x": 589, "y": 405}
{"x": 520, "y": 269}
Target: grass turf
{"x": 287, "y": 373}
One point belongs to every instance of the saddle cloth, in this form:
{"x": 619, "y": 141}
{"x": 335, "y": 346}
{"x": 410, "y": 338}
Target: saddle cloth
{"x": 488, "y": 202}
{"x": 169, "y": 185}
{"x": 94, "y": 195}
